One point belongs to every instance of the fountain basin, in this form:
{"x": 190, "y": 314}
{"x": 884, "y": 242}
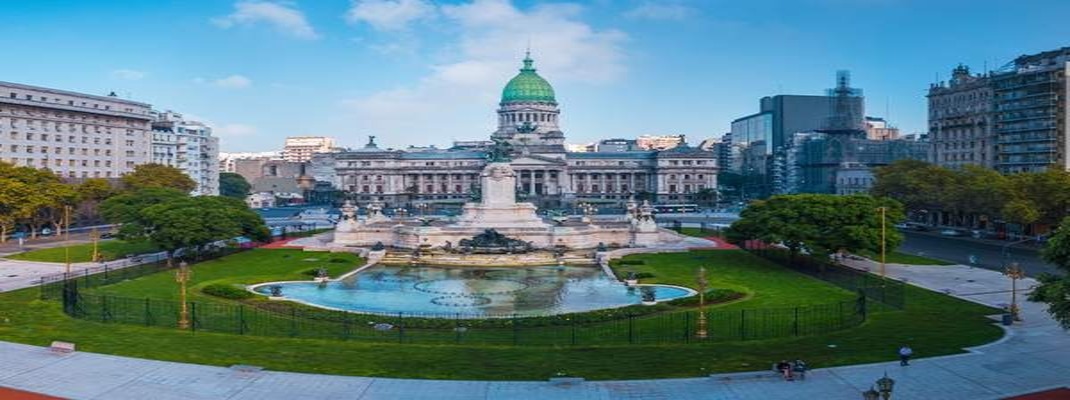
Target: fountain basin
{"x": 471, "y": 292}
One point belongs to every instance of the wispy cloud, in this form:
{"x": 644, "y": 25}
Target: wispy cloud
{"x": 282, "y": 16}
{"x": 491, "y": 36}
{"x": 660, "y": 11}
{"x": 127, "y": 74}
{"x": 230, "y": 82}
{"x": 389, "y": 15}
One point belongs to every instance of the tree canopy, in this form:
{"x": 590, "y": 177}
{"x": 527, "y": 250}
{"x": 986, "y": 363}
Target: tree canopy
{"x": 173, "y": 220}
{"x": 233, "y": 185}
{"x": 1054, "y": 289}
{"x": 32, "y": 198}
{"x": 820, "y": 224}
{"x": 158, "y": 176}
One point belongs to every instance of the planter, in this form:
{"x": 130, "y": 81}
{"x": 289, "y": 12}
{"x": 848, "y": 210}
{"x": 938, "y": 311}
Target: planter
{"x": 276, "y": 298}
{"x": 631, "y": 282}
{"x": 649, "y": 302}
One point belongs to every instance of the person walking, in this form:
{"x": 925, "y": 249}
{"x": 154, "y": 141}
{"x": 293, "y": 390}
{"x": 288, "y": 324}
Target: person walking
{"x": 904, "y": 355}
{"x": 798, "y": 367}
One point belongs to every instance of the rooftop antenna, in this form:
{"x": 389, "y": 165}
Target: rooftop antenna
{"x": 527, "y": 53}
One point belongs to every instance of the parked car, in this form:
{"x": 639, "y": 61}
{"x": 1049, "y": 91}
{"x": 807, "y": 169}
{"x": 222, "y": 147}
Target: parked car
{"x": 902, "y": 226}
{"x": 107, "y": 235}
{"x": 951, "y": 232}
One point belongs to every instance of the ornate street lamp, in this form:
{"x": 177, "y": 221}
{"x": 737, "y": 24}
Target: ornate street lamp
{"x": 182, "y": 276}
{"x": 1014, "y": 272}
{"x": 702, "y": 333}
{"x": 871, "y": 394}
{"x": 885, "y": 386}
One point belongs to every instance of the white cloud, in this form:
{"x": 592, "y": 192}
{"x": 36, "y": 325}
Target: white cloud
{"x": 127, "y": 74}
{"x": 282, "y": 16}
{"x": 389, "y": 15}
{"x": 232, "y": 82}
{"x": 455, "y": 98}
{"x": 660, "y": 11}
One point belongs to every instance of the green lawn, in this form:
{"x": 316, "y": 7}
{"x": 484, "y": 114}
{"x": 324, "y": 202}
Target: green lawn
{"x": 248, "y": 267}
{"x": 896, "y": 257}
{"x": 933, "y": 324}
{"x": 108, "y": 249}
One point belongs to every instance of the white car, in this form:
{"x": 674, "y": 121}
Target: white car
{"x": 950, "y": 232}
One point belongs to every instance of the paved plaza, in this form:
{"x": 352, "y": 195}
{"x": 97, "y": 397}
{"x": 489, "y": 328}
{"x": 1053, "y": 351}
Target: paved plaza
{"x": 1032, "y": 357}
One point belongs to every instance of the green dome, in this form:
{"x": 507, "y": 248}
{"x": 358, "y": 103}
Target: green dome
{"x": 528, "y": 86}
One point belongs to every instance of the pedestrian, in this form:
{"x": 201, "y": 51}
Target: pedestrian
{"x": 799, "y": 368}
{"x": 785, "y": 369}
{"x": 904, "y": 355}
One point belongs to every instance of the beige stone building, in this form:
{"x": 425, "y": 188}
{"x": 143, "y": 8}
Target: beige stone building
{"x": 73, "y": 134}
{"x": 960, "y": 121}
{"x": 301, "y": 148}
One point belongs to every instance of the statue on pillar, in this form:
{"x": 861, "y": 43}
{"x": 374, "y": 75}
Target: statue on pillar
{"x": 375, "y": 213}
{"x": 348, "y": 222}
{"x": 501, "y": 151}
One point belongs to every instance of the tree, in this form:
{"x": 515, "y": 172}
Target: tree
{"x": 976, "y": 192}
{"x": 125, "y": 208}
{"x": 820, "y": 224}
{"x": 158, "y": 176}
{"x": 190, "y": 223}
{"x": 18, "y": 201}
{"x": 918, "y": 185}
{"x": 233, "y": 185}
{"x": 1055, "y": 289}
{"x": 706, "y": 196}
{"x": 91, "y": 193}
{"x": 1042, "y": 197}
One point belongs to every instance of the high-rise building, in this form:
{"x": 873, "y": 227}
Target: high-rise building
{"x": 188, "y": 146}
{"x": 879, "y": 129}
{"x": 75, "y": 135}
{"x": 228, "y": 160}
{"x": 1030, "y": 110}
{"x": 960, "y": 121}
{"x": 301, "y": 148}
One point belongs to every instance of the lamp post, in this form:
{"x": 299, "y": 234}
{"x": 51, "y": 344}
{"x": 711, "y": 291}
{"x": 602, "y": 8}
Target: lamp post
{"x": 1014, "y": 272}
{"x": 423, "y": 208}
{"x": 702, "y": 282}
{"x": 885, "y": 385}
{"x": 67, "y": 237}
{"x": 182, "y": 276}
{"x": 871, "y": 394}
{"x": 884, "y": 237}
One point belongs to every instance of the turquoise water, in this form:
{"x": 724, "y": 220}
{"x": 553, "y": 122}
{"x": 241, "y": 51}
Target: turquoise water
{"x": 471, "y": 292}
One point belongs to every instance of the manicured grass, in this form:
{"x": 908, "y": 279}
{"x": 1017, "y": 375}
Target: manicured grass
{"x": 767, "y": 284}
{"x": 247, "y": 267}
{"x": 932, "y": 324}
{"x": 698, "y": 232}
{"x": 896, "y": 257}
{"x": 108, "y": 249}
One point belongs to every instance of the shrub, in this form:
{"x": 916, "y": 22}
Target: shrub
{"x": 227, "y": 291}
{"x": 338, "y": 260}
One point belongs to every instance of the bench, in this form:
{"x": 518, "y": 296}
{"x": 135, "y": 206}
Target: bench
{"x": 61, "y": 347}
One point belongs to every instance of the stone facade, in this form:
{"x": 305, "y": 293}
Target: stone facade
{"x": 546, "y": 174}
{"x": 73, "y": 134}
{"x": 960, "y": 121}
{"x": 188, "y": 146}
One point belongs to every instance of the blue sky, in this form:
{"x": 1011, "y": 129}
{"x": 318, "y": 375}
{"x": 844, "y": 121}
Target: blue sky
{"x": 429, "y": 72}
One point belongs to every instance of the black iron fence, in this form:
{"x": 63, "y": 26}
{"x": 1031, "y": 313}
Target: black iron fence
{"x": 288, "y": 320}
{"x": 887, "y": 292}
{"x": 52, "y": 286}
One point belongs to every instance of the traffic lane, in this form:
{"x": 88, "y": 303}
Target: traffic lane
{"x": 985, "y": 255}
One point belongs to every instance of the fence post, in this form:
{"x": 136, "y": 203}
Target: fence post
{"x": 193, "y": 316}
{"x": 241, "y": 319}
{"x": 105, "y": 272}
{"x": 457, "y": 327}
{"x": 839, "y": 307}
{"x": 516, "y": 331}
{"x": 104, "y": 308}
{"x": 862, "y": 306}
{"x": 687, "y": 326}
{"x": 401, "y": 327}
{"x": 293, "y": 321}
{"x": 795, "y": 324}
{"x": 345, "y": 327}
{"x": 631, "y": 329}
{"x": 742, "y": 324}
{"x": 148, "y": 314}
{"x": 573, "y": 331}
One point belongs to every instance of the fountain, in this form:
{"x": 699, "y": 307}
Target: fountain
{"x": 497, "y": 214}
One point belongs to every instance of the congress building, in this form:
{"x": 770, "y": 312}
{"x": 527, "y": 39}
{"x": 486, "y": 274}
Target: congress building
{"x": 548, "y": 175}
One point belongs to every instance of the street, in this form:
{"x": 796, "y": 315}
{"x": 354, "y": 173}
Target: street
{"x": 987, "y": 253}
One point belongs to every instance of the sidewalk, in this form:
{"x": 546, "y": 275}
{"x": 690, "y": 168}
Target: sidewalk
{"x": 1031, "y": 358}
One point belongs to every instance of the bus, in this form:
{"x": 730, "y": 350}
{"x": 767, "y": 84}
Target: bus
{"x": 675, "y": 208}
